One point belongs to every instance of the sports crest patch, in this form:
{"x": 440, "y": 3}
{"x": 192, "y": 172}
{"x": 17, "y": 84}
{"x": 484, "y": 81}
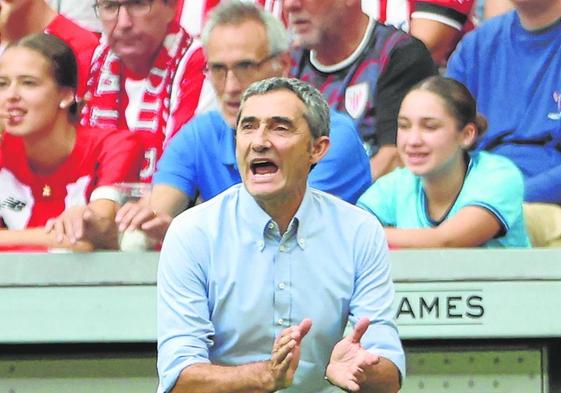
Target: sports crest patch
{"x": 356, "y": 98}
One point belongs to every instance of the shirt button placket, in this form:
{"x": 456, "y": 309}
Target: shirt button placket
{"x": 282, "y": 287}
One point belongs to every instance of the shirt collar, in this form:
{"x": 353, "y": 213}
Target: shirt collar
{"x": 257, "y": 220}
{"x": 351, "y": 58}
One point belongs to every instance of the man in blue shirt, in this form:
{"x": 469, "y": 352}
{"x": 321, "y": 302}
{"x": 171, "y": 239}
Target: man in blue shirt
{"x": 512, "y": 65}
{"x": 256, "y": 286}
{"x": 243, "y": 44}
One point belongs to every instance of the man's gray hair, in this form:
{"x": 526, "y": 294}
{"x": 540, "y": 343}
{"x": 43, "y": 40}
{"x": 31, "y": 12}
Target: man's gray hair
{"x": 317, "y": 110}
{"x": 234, "y": 12}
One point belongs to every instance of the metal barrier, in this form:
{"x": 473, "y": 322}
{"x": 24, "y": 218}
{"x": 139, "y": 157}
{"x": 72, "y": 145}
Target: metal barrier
{"x": 472, "y": 321}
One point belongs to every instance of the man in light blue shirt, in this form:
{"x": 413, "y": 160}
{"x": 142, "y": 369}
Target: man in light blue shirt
{"x": 243, "y": 44}
{"x": 255, "y": 286}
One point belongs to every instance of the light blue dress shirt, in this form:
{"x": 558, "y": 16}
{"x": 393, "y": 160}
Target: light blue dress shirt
{"x": 228, "y": 283}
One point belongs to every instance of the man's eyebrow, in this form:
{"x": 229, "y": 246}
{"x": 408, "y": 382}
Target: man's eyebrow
{"x": 271, "y": 120}
{"x": 282, "y": 119}
{"x": 224, "y": 64}
{"x": 248, "y": 119}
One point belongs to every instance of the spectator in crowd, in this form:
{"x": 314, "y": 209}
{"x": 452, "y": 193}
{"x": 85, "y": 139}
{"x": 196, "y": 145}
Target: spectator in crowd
{"x": 445, "y": 197}
{"x": 361, "y": 66}
{"x": 82, "y": 12}
{"x": 21, "y": 18}
{"x": 243, "y": 44}
{"x": 192, "y": 14}
{"x": 316, "y": 261}
{"x": 48, "y": 167}
{"x": 512, "y": 65}
{"x": 438, "y": 23}
{"x": 146, "y": 77}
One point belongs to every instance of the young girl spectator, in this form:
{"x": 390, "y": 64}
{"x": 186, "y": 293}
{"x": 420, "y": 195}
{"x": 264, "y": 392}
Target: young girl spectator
{"x": 48, "y": 167}
{"x": 447, "y": 196}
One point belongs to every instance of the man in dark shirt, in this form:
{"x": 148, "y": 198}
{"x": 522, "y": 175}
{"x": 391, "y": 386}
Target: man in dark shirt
{"x": 362, "y": 67}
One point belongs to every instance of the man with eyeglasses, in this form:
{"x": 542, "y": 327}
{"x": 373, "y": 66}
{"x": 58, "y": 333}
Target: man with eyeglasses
{"x": 146, "y": 75}
{"x": 243, "y": 44}
{"x": 21, "y": 18}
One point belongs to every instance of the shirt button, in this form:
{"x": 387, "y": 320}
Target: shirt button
{"x": 271, "y": 225}
{"x": 260, "y": 244}
{"x": 282, "y": 248}
{"x": 280, "y": 322}
{"x": 301, "y": 242}
{"x": 282, "y": 285}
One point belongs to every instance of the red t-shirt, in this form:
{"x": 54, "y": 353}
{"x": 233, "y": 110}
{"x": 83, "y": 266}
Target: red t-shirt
{"x": 99, "y": 159}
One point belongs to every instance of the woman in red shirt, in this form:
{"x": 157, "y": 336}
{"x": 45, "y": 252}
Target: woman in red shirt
{"x": 49, "y": 167}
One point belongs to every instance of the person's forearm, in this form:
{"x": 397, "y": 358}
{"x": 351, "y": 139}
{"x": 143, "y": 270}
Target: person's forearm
{"x": 382, "y": 377}
{"x": 414, "y": 238}
{"x": 101, "y": 230}
{"x": 168, "y": 199}
{"x": 38, "y": 237}
{"x": 208, "y": 378}
{"x": 439, "y": 38}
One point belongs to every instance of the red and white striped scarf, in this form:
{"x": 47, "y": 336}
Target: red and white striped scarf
{"x": 106, "y": 99}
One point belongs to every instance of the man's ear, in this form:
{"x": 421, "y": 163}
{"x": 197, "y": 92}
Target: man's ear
{"x": 320, "y": 146}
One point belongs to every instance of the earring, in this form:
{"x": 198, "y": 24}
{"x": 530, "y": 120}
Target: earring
{"x": 62, "y": 105}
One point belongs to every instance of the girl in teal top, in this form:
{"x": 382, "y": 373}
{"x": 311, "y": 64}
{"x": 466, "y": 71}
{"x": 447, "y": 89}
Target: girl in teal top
{"x": 447, "y": 196}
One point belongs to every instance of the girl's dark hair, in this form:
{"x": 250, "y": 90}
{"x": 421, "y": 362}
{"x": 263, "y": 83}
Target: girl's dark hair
{"x": 61, "y": 59}
{"x": 458, "y": 99}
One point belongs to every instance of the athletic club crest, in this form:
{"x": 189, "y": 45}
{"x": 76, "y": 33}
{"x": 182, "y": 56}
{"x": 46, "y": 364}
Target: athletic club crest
{"x": 356, "y": 98}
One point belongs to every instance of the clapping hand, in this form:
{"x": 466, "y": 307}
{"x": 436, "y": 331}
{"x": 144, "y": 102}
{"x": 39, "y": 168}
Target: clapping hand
{"x": 285, "y": 355}
{"x": 349, "y": 360}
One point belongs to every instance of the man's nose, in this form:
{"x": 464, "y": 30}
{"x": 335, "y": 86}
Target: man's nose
{"x": 123, "y": 19}
{"x": 260, "y": 140}
{"x": 232, "y": 84}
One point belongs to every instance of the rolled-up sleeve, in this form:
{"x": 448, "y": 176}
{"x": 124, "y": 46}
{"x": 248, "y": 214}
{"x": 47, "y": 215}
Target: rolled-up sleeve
{"x": 374, "y": 295}
{"x": 184, "y": 329}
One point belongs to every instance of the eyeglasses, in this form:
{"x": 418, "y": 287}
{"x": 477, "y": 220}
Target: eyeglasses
{"x": 109, "y": 10}
{"x": 243, "y": 71}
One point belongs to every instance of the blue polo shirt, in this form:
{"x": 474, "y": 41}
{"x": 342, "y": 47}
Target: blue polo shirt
{"x": 201, "y": 160}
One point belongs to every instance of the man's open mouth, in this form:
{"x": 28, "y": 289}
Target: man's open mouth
{"x": 263, "y": 167}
